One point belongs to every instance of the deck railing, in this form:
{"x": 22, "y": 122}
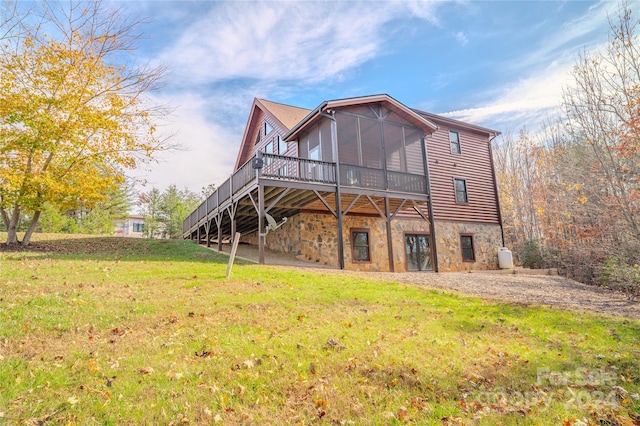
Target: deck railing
{"x": 366, "y": 177}
{"x": 304, "y": 170}
{"x": 298, "y": 169}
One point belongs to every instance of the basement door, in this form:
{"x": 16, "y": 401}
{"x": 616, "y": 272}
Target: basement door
{"x": 418, "y": 252}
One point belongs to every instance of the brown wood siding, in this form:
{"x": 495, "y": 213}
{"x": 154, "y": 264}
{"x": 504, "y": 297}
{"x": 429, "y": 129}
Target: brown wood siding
{"x": 251, "y": 147}
{"x": 473, "y": 165}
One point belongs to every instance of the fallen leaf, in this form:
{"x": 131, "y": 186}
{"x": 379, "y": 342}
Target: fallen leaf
{"x": 402, "y": 413}
{"x": 147, "y": 370}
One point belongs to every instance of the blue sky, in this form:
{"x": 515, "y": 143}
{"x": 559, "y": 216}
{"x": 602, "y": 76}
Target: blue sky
{"x": 499, "y": 64}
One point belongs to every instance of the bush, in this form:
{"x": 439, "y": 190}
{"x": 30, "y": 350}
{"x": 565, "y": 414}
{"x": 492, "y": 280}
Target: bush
{"x": 619, "y": 274}
{"x": 532, "y": 255}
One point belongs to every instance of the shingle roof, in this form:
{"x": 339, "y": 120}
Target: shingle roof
{"x": 287, "y": 114}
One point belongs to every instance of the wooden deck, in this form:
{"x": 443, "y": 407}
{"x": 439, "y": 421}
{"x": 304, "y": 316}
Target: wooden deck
{"x": 283, "y": 186}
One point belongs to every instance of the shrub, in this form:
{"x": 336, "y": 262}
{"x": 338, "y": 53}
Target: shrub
{"x": 619, "y": 274}
{"x": 532, "y": 255}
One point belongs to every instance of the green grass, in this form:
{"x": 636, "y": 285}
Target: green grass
{"x": 120, "y": 331}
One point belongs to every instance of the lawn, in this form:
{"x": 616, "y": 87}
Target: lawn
{"x": 123, "y": 331}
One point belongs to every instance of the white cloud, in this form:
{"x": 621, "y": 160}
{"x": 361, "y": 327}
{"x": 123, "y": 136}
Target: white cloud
{"x": 526, "y": 100}
{"x": 209, "y": 147}
{"x": 425, "y": 10}
{"x": 461, "y": 38}
{"x": 570, "y": 38}
{"x": 530, "y": 100}
{"x": 276, "y": 40}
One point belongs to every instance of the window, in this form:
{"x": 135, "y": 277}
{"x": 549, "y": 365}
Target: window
{"x": 259, "y": 136}
{"x": 360, "y": 245}
{"x": 137, "y": 227}
{"x": 466, "y": 242}
{"x": 268, "y": 148}
{"x": 282, "y": 146}
{"x": 461, "y": 191}
{"x": 267, "y": 128}
{"x": 454, "y": 138}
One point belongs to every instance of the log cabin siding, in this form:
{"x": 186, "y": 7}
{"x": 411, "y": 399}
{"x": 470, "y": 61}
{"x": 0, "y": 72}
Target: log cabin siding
{"x": 473, "y": 164}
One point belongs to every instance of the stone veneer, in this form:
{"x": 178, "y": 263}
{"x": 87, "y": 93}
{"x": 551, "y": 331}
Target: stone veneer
{"x": 313, "y": 237}
{"x": 487, "y": 240}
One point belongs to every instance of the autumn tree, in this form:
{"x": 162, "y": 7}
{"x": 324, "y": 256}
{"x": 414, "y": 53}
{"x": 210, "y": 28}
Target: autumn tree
{"x": 74, "y": 109}
{"x": 603, "y": 110}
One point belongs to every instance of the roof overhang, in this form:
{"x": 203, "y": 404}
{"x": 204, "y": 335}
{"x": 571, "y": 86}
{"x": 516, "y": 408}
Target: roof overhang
{"x": 458, "y": 123}
{"x": 327, "y": 107}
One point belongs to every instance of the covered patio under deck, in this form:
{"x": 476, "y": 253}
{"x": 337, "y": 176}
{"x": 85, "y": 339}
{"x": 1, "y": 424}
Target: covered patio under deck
{"x": 281, "y": 187}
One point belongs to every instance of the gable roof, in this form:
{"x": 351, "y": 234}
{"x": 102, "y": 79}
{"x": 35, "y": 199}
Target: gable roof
{"x": 286, "y": 116}
{"x": 410, "y": 114}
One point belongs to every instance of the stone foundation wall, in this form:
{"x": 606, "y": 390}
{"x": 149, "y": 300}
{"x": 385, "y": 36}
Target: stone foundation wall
{"x": 313, "y": 236}
{"x": 487, "y": 240}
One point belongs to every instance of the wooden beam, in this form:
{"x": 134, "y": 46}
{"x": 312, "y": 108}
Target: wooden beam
{"x": 219, "y": 224}
{"x": 389, "y": 237}
{"x": 327, "y": 204}
{"x": 400, "y": 208}
{"x": 376, "y": 206}
{"x": 350, "y": 205}
{"x": 418, "y": 210}
{"x": 338, "y": 213}
{"x": 261, "y": 236}
{"x": 278, "y": 198}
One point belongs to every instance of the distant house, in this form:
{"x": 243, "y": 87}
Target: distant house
{"x": 365, "y": 183}
{"x": 132, "y": 226}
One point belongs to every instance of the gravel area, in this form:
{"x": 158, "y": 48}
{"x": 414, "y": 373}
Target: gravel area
{"x": 515, "y": 288}
{"x": 526, "y": 289}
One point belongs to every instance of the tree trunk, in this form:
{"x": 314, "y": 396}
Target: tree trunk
{"x": 31, "y": 228}
{"x": 12, "y": 228}
{"x": 5, "y": 218}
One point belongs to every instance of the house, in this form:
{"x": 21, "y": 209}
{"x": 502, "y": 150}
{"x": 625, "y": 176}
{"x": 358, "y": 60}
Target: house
{"x": 131, "y": 226}
{"x": 362, "y": 183}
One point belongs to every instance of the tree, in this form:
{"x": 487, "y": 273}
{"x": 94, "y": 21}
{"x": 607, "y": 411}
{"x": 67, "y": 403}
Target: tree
{"x": 603, "y": 109}
{"x": 150, "y": 205}
{"x": 165, "y": 211}
{"x": 208, "y": 190}
{"x": 175, "y": 206}
{"x": 74, "y": 114}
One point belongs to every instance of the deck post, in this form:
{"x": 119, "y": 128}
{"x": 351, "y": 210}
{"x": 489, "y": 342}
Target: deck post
{"x": 207, "y": 228}
{"x": 219, "y": 224}
{"x": 261, "y": 233}
{"x": 198, "y": 234}
{"x": 334, "y": 143}
{"x": 231, "y": 210}
{"x": 387, "y": 212}
{"x": 432, "y": 227}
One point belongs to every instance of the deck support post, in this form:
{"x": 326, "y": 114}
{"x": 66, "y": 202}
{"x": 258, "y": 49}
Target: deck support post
{"x": 432, "y": 226}
{"x": 334, "y": 143}
{"x": 219, "y": 225}
{"x": 198, "y": 235}
{"x": 261, "y": 233}
{"x": 207, "y": 228}
{"x": 387, "y": 211}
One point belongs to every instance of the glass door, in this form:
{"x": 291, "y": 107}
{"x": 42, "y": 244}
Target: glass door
{"x": 418, "y": 252}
